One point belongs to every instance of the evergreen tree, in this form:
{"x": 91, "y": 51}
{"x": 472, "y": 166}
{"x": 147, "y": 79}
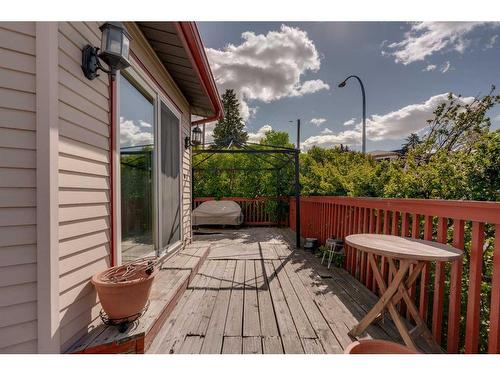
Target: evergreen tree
{"x": 412, "y": 141}
{"x": 230, "y": 128}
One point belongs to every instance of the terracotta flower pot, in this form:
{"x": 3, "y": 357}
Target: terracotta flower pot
{"x": 124, "y": 298}
{"x": 377, "y": 347}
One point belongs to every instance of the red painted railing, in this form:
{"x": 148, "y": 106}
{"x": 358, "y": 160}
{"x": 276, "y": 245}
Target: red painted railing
{"x": 260, "y": 211}
{"x": 455, "y": 310}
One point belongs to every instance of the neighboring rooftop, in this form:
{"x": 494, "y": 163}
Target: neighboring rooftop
{"x": 384, "y": 155}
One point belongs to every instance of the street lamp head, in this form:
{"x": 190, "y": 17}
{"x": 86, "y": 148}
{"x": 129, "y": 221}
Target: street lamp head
{"x": 342, "y": 84}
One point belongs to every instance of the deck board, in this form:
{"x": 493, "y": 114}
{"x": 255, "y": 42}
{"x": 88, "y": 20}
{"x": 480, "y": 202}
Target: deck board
{"x": 251, "y": 321}
{"x": 215, "y": 330}
{"x": 232, "y": 345}
{"x": 255, "y": 294}
{"x": 234, "y": 321}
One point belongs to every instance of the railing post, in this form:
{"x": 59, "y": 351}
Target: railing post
{"x": 494, "y": 336}
{"x": 437, "y": 307}
{"x": 474, "y": 295}
{"x": 424, "y": 278}
{"x": 455, "y": 290}
{"x": 297, "y": 199}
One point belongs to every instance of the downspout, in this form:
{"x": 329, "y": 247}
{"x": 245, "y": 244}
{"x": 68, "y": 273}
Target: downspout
{"x": 112, "y": 150}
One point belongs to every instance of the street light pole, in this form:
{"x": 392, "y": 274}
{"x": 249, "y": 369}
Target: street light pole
{"x": 363, "y": 134}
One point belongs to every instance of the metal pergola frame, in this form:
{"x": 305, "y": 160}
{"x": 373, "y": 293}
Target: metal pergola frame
{"x": 259, "y": 150}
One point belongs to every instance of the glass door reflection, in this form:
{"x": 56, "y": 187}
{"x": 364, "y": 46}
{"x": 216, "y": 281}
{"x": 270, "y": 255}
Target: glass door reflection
{"x": 137, "y": 146}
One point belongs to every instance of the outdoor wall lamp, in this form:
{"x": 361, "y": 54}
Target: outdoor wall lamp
{"x": 115, "y": 46}
{"x": 195, "y": 139}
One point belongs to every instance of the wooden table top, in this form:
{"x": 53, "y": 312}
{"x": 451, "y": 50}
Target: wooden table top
{"x": 403, "y": 247}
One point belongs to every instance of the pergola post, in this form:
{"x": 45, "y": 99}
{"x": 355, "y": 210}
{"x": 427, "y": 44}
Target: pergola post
{"x": 297, "y": 200}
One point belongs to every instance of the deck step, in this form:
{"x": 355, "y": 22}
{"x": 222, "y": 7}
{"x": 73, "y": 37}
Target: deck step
{"x": 169, "y": 285}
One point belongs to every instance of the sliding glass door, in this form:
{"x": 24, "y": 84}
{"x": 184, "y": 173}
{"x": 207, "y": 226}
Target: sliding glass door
{"x": 169, "y": 178}
{"x": 150, "y": 159}
{"x": 137, "y": 147}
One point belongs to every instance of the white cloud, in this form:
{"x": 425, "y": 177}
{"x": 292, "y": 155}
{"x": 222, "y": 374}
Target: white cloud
{"x": 429, "y": 68}
{"x": 261, "y": 133}
{"x": 393, "y": 125}
{"x": 145, "y": 124}
{"x": 318, "y": 121}
{"x": 131, "y": 134}
{"x": 310, "y": 87}
{"x": 426, "y": 38}
{"x": 445, "y": 67}
{"x": 497, "y": 118}
{"x": 328, "y": 139}
{"x": 326, "y": 131}
{"x": 350, "y": 122}
{"x": 267, "y": 67}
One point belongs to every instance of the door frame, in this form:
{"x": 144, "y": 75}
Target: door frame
{"x": 150, "y": 89}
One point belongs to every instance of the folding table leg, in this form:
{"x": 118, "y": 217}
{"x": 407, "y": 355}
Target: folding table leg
{"x": 413, "y": 311}
{"x": 385, "y": 301}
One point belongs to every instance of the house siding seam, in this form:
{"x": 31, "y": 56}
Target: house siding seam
{"x": 18, "y": 257}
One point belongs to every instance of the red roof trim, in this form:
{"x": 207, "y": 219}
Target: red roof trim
{"x": 190, "y": 37}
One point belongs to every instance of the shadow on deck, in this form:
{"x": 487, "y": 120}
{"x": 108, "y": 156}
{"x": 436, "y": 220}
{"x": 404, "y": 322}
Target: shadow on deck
{"x": 256, "y": 294}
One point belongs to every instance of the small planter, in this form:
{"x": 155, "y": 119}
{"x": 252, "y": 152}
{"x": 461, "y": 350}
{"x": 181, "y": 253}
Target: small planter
{"x": 124, "y": 290}
{"x": 377, "y": 347}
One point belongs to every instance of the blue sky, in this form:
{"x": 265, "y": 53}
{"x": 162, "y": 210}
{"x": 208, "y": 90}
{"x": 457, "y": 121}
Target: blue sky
{"x": 406, "y": 67}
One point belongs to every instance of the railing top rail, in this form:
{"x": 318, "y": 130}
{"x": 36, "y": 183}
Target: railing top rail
{"x": 487, "y": 212}
{"x": 240, "y": 199}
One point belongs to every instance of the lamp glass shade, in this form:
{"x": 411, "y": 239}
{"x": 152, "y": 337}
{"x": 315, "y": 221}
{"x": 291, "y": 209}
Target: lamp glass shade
{"x": 114, "y": 41}
{"x": 125, "y": 46}
{"x": 115, "y": 45}
{"x": 196, "y": 136}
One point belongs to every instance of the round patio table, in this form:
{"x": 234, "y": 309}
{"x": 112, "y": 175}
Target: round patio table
{"x": 400, "y": 253}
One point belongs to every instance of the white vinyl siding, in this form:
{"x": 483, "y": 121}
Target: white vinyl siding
{"x": 18, "y": 291}
{"x": 84, "y": 181}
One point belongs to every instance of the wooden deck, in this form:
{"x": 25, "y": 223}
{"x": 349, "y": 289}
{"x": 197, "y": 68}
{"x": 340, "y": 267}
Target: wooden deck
{"x": 174, "y": 277}
{"x": 254, "y": 294}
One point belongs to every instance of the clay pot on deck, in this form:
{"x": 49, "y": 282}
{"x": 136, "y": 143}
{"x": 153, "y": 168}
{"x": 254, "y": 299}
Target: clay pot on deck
{"x": 124, "y": 290}
{"x": 377, "y": 347}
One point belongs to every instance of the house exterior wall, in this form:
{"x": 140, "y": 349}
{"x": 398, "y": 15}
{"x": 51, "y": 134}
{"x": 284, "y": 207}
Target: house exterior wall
{"x": 18, "y": 276}
{"x": 18, "y": 239}
{"x": 84, "y": 169}
{"x": 82, "y": 181}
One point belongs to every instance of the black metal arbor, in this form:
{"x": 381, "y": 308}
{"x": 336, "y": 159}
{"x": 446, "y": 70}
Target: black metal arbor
{"x": 264, "y": 152}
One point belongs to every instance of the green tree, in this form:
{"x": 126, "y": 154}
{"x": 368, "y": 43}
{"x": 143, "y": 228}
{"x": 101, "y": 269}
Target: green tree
{"x": 230, "y": 127}
{"x": 223, "y": 174}
{"x": 412, "y": 141}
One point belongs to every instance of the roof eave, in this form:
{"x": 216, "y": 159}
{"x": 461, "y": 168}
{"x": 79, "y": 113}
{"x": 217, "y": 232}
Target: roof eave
{"x": 190, "y": 37}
